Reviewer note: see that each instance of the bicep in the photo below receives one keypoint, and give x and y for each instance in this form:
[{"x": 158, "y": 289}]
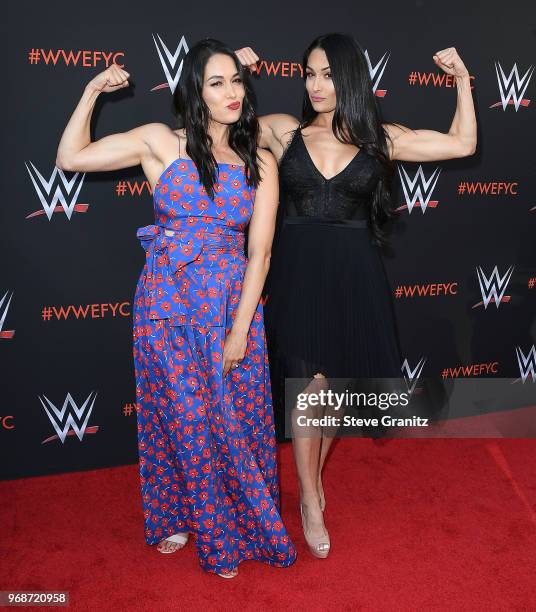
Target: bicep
[
  {"x": 262, "y": 224},
  {"x": 113, "y": 152},
  {"x": 410, "y": 145}
]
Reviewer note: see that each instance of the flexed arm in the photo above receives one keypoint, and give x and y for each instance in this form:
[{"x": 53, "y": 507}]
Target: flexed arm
[
  {"x": 276, "y": 129},
  {"x": 428, "y": 145},
  {"x": 76, "y": 152}
]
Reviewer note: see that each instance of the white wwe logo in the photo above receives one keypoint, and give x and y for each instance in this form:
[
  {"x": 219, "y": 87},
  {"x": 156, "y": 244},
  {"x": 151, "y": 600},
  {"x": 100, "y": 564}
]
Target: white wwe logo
[
  {"x": 412, "y": 376},
  {"x": 49, "y": 201},
  {"x": 493, "y": 288},
  {"x": 527, "y": 363},
  {"x": 3, "y": 314},
  {"x": 512, "y": 87},
  {"x": 377, "y": 71},
  {"x": 419, "y": 189},
  {"x": 63, "y": 423},
  {"x": 169, "y": 61}
]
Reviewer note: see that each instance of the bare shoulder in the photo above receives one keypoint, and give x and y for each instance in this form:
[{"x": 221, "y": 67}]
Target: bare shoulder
[
  {"x": 153, "y": 132},
  {"x": 162, "y": 144},
  {"x": 265, "y": 156},
  {"x": 268, "y": 162}
]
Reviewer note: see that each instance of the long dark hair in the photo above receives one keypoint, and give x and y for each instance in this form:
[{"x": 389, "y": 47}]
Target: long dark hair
[
  {"x": 357, "y": 118},
  {"x": 193, "y": 115}
]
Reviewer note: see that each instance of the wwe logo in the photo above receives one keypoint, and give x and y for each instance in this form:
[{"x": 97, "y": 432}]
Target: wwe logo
[
  {"x": 412, "y": 376},
  {"x": 419, "y": 190},
  {"x": 512, "y": 87},
  {"x": 5, "y": 334},
  {"x": 493, "y": 288},
  {"x": 66, "y": 420},
  {"x": 527, "y": 363},
  {"x": 49, "y": 201},
  {"x": 376, "y": 73},
  {"x": 169, "y": 62}
]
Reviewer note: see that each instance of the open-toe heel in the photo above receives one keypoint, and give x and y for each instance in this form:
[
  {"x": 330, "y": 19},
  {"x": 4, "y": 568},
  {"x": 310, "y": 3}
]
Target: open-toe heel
[
  {"x": 231, "y": 574},
  {"x": 176, "y": 538},
  {"x": 318, "y": 545}
]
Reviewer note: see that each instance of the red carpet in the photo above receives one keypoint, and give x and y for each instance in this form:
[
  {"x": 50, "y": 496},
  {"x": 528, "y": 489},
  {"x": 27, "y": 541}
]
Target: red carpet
[{"x": 414, "y": 525}]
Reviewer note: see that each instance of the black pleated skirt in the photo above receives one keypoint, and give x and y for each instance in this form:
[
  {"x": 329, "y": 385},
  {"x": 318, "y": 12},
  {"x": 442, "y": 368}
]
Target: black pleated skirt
[{"x": 328, "y": 306}]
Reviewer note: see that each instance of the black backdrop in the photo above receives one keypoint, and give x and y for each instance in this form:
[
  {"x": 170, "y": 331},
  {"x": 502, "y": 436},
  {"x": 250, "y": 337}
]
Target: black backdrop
[{"x": 88, "y": 261}]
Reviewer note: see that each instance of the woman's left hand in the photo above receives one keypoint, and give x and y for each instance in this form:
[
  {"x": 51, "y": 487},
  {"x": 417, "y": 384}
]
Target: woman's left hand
[
  {"x": 234, "y": 350},
  {"x": 450, "y": 62}
]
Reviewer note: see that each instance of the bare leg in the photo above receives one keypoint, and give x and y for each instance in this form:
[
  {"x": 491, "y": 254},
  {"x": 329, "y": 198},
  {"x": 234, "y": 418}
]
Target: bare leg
[
  {"x": 328, "y": 434},
  {"x": 326, "y": 443},
  {"x": 307, "y": 457}
]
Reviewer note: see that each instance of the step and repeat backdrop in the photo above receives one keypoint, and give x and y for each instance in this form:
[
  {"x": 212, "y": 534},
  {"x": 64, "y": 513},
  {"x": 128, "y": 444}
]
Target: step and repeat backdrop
[{"x": 461, "y": 265}]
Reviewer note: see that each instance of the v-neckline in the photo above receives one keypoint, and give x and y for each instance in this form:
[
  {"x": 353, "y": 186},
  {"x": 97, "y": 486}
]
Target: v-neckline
[{"x": 327, "y": 180}]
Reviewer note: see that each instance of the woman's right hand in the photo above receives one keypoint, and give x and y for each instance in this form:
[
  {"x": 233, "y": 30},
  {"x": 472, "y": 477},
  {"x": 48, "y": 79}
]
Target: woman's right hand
[
  {"x": 111, "y": 79},
  {"x": 248, "y": 58}
]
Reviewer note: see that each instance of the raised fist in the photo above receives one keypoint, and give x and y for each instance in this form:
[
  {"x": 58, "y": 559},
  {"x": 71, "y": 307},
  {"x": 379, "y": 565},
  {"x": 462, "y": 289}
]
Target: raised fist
[{"x": 111, "y": 79}]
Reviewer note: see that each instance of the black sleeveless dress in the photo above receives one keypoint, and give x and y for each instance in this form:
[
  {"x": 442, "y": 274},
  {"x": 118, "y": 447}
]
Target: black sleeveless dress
[{"x": 328, "y": 307}]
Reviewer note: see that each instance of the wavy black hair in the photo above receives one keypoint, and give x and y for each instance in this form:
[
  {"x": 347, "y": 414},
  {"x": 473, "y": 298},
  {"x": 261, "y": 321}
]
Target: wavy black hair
[
  {"x": 193, "y": 115},
  {"x": 357, "y": 118}
]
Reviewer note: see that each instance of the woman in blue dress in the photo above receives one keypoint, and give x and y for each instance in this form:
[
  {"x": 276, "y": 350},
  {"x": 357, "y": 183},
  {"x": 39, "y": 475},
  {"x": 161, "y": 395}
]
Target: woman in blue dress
[{"x": 206, "y": 433}]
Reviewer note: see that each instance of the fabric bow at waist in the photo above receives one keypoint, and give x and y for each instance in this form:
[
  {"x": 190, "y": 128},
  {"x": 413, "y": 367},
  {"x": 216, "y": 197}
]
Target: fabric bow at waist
[{"x": 183, "y": 280}]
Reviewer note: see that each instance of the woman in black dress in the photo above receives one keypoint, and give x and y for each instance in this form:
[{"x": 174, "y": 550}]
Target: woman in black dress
[{"x": 329, "y": 311}]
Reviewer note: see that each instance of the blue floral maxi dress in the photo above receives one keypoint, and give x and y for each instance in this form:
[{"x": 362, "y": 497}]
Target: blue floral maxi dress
[{"x": 206, "y": 443}]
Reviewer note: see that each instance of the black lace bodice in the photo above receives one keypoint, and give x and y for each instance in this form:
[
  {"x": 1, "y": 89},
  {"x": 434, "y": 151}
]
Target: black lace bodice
[{"x": 304, "y": 192}]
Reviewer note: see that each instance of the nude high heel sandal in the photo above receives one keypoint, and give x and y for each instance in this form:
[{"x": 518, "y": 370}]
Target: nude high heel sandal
[{"x": 319, "y": 545}]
